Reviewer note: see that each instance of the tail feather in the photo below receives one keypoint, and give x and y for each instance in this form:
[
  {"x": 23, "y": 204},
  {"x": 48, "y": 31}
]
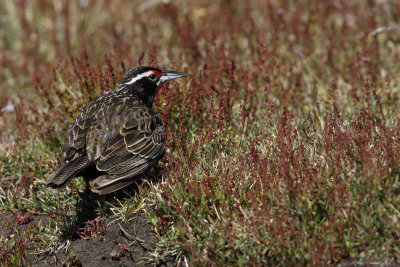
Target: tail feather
[
  {"x": 68, "y": 171},
  {"x": 96, "y": 186}
]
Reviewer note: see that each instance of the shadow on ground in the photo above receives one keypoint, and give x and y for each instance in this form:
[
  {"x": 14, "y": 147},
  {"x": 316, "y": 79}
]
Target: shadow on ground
[{"x": 114, "y": 244}]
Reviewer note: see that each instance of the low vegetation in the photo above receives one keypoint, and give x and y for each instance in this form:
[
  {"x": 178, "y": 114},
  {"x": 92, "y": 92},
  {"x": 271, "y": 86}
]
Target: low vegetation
[{"x": 283, "y": 148}]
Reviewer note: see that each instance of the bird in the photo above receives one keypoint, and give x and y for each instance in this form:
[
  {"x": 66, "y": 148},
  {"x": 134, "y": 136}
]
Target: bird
[{"x": 118, "y": 137}]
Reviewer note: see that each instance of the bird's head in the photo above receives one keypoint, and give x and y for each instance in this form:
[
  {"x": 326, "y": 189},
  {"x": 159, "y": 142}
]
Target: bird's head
[{"x": 144, "y": 81}]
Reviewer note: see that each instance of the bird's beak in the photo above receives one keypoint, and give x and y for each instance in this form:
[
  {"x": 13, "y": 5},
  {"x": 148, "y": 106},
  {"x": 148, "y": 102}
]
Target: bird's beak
[{"x": 170, "y": 75}]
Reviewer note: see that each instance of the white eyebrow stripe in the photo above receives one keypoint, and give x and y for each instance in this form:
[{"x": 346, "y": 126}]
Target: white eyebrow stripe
[{"x": 140, "y": 76}]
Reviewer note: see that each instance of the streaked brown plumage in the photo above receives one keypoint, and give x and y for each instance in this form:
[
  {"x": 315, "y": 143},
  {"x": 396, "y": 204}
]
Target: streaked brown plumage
[{"x": 117, "y": 137}]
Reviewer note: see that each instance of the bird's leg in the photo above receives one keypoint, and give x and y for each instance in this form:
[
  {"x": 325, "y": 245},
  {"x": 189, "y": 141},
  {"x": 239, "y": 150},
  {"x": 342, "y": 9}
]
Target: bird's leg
[
  {"x": 87, "y": 190},
  {"x": 87, "y": 187}
]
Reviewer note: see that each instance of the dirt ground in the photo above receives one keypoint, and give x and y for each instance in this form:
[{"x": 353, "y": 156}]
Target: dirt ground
[{"x": 99, "y": 251}]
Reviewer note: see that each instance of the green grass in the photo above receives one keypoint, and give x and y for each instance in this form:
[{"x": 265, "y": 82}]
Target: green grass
[{"x": 284, "y": 146}]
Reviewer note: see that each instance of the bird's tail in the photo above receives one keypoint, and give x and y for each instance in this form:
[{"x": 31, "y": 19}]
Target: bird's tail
[
  {"x": 109, "y": 188},
  {"x": 68, "y": 171}
]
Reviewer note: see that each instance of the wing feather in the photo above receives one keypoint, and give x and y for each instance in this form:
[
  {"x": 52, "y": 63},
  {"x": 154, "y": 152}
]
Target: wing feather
[{"x": 137, "y": 146}]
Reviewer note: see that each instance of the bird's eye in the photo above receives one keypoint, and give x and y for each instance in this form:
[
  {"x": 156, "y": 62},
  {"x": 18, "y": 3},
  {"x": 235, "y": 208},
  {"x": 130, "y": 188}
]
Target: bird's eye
[{"x": 152, "y": 77}]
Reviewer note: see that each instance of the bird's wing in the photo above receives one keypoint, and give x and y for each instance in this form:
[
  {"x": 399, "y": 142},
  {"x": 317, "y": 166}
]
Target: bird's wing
[
  {"x": 77, "y": 134},
  {"x": 75, "y": 158},
  {"x": 138, "y": 144}
]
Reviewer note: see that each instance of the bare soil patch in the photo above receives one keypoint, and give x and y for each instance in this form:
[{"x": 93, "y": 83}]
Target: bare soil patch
[{"x": 105, "y": 250}]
